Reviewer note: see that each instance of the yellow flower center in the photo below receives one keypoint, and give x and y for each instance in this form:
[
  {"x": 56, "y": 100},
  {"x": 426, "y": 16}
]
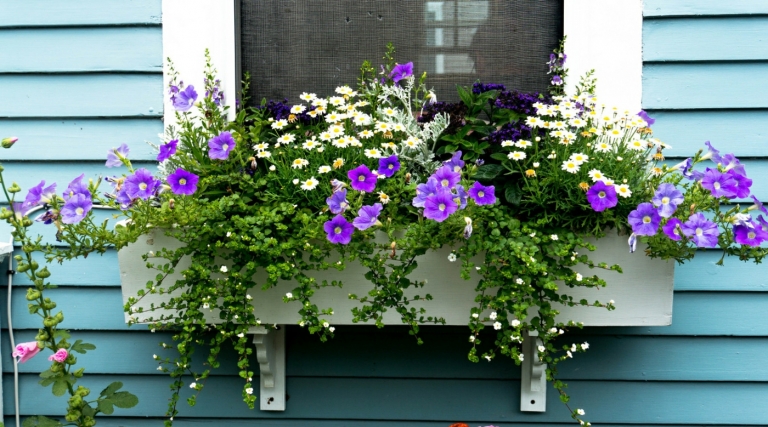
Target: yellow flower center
[
  {"x": 441, "y": 207},
  {"x": 224, "y": 147},
  {"x": 143, "y": 186},
  {"x": 699, "y": 231},
  {"x": 646, "y": 220},
  {"x": 79, "y": 211},
  {"x": 337, "y": 230},
  {"x": 751, "y": 235},
  {"x": 716, "y": 185},
  {"x": 183, "y": 181},
  {"x": 444, "y": 183},
  {"x": 601, "y": 194},
  {"x": 665, "y": 200},
  {"x": 481, "y": 194},
  {"x": 361, "y": 178}
]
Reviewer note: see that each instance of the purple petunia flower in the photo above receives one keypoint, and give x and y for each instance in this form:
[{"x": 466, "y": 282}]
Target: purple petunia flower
[
  {"x": 77, "y": 187},
  {"x": 183, "y": 182},
  {"x": 731, "y": 163},
  {"x": 184, "y": 100},
  {"x": 115, "y": 156},
  {"x": 750, "y": 235},
  {"x": 76, "y": 208},
  {"x": 702, "y": 231},
  {"x": 362, "y": 179},
  {"x": 742, "y": 184},
  {"x": 439, "y": 206},
  {"x": 338, "y": 203},
  {"x": 39, "y": 194},
  {"x": 643, "y": 115},
  {"x": 167, "y": 150},
  {"x": 123, "y": 199},
  {"x": 455, "y": 163},
  {"x": 667, "y": 198},
  {"x": 482, "y": 195},
  {"x": 644, "y": 220},
  {"x": 758, "y": 205},
  {"x": 20, "y": 210},
  {"x": 367, "y": 216},
  {"x": 446, "y": 177},
  {"x": 687, "y": 170},
  {"x": 460, "y": 196},
  {"x": 339, "y": 230},
  {"x": 672, "y": 229},
  {"x": 220, "y": 146},
  {"x": 423, "y": 191},
  {"x": 602, "y": 196},
  {"x": 713, "y": 153},
  {"x": 401, "y": 71},
  {"x": 388, "y": 166},
  {"x": 140, "y": 185},
  {"x": 719, "y": 184}
]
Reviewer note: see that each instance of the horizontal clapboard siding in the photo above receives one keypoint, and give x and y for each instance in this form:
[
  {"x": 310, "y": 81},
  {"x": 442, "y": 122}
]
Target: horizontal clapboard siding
[
  {"x": 680, "y": 8},
  {"x": 47, "y": 13}
]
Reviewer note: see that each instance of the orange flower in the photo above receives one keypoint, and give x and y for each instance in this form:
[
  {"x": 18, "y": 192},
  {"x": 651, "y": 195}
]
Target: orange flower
[
  {"x": 530, "y": 173},
  {"x": 584, "y": 186}
]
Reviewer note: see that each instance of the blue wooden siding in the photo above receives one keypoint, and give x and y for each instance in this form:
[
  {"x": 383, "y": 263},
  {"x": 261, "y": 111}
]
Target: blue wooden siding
[{"x": 707, "y": 368}]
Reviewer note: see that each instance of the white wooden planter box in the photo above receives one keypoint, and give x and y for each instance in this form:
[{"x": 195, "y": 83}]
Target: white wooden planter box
[{"x": 642, "y": 294}]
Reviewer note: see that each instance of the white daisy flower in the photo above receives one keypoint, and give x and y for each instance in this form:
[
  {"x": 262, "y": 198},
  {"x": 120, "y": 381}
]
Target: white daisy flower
[
  {"x": 507, "y": 143},
  {"x": 340, "y": 143},
  {"x": 577, "y": 123},
  {"x": 261, "y": 146},
  {"x": 557, "y": 133},
  {"x": 388, "y": 145},
  {"x": 299, "y": 163},
  {"x": 533, "y": 122},
  {"x": 344, "y": 90},
  {"x": 263, "y": 154},
  {"x": 298, "y": 109},
  {"x": 324, "y": 169},
  {"x": 286, "y": 139},
  {"x": 602, "y": 147},
  {"x": 362, "y": 120},
  {"x": 335, "y": 117},
  {"x": 615, "y": 132},
  {"x": 310, "y": 144},
  {"x": 579, "y": 158},
  {"x": 383, "y": 127},
  {"x": 516, "y": 155},
  {"x": 320, "y": 109},
  {"x": 636, "y": 145},
  {"x": 279, "y": 124},
  {"x": 523, "y": 144},
  {"x": 354, "y": 141},
  {"x": 372, "y": 153},
  {"x": 558, "y": 124},
  {"x": 389, "y": 111},
  {"x": 497, "y": 325},
  {"x": 398, "y": 127},
  {"x": 596, "y": 175},
  {"x": 326, "y": 136},
  {"x": 336, "y": 101},
  {"x": 336, "y": 131},
  {"x": 313, "y": 113},
  {"x": 307, "y": 96},
  {"x": 452, "y": 257},
  {"x": 383, "y": 198},
  {"x": 309, "y": 184},
  {"x": 412, "y": 142},
  {"x": 623, "y": 190},
  {"x": 317, "y": 102},
  {"x": 338, "y": 163},
  {"x": 570, "y": 166}
]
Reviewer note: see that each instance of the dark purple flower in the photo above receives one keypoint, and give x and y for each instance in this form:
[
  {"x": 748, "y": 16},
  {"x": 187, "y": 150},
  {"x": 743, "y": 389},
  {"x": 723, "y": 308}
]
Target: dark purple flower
[
  {"x": 460, "y": 196},
  {"x": 338, "y": 203},
  {"x": 367, "y": 216},
  {"x": 479, "y": 88},
  {"x": 48, "y": 216},
  {"x": 183, "y": 182},
  {"x": 750, "y": 235},
  {"x": 401, "y": 71},
  {"x": 446, "y": 177},
  {"x": 439, "y": 206},
  {"x": 339, "y": 230},
  {"x": 140, "y": 185},
  {"x": 742, "y": 183},
  {"x": 602, "y": 196},
  {"x": 672, "y": 228},
  {"x": 76, "y": 208},
  {"x": 220, "y": 146},
  {"x": 556, "y": 80},
  {"x": 167, "y": 150},
  {"x": 644, "y": 220},
  {"x": 719, "y": 184},
  {"x": 115, "y": 156},
  {"x": 388, "y": 166},
  {"x": 39, "y": 194},
  {"x": 455, "y": 163},
  {"x": 77, "y": 187},
  {"x": 667, "y": 198},
  {"x": 362, "y": 179},
  {"x": 423, "y": 191},
  {"x": 702, "y": 231},
  {"x": 184, "y": 99},
  {"x": 481, "y": 194},
  {"x": 643, "y": 115}
]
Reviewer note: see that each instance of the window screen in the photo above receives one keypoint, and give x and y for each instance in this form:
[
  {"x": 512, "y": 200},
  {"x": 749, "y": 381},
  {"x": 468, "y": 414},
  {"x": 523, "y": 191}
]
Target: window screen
[{"x": 291, "y": 46}]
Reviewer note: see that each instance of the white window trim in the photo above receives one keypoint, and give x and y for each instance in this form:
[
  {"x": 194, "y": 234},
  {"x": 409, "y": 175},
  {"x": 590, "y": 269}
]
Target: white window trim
[{"x": 605, "y": 35}]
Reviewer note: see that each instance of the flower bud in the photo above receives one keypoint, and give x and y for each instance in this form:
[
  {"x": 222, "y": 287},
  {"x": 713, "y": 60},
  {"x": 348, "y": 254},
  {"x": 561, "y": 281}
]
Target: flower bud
[
  {"x": 8, "y": 142},
  {"x": 44, "y": 273},
  {"x": 14, "y": 188},
  {"x": 32, "y": 294},
  {"x": 79, "y": 373}
]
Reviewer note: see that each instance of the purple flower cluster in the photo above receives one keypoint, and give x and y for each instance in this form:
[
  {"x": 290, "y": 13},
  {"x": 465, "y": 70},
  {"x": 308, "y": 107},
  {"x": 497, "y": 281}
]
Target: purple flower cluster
[
  {"x": 556, "y": 61},
  {"x": 282, "y": 110},
  {"x": 479, "y": 88},
  {"x": 77, "y": 201},
  {"x": 510, "y": 132},
  {"x": 456, "y": 112},
  {"x": 215, "y": 93},
  {"x": 520, "y": 102}
]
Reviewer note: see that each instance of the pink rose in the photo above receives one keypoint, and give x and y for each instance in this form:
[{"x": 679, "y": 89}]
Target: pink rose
[
  {"x": 26, "y": 351},
  {"x": 60, "y": 356}
]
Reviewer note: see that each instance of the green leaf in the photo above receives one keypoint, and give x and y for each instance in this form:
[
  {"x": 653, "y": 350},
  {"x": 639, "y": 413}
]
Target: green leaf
[
  {"x": 465, "y": 96},
  {"x": 124, "y": 399},
  {"x": 41, "y": 421},
  {"x": 512, "y": 195},
  {"x": 60, "y": 386},
  {"x": 488, "y": 172},
  {"x": 82, "y": 347},
  {"x": 106, "y": 406},
  {"x": 499, "y": 156},
  {"x": 62, "y": 333},
  {"x": 111, "y": 389},
  {"x": 87, "y": 410}
]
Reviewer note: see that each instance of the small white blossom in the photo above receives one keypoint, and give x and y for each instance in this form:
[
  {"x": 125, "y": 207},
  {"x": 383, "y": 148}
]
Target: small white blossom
[
  {"x": 471, "y": 338},
  {"x": 579, "y": 277},
  {"x": 223, "y": 268},
  {"x": 515, "y": 323},
  {"x": 159, "y": 368},
  {"x": 475, "y": 315},
  {"x": 241, "y": 335},
  {"x": 585, "y": 346},
  {"x": 325, "y": 324},
  {"x": 272, "y": 168},
  {"x": 553, "y": 331},
  {"x": 249, "y": 390},
  {"x": 569, "y": 354},
  {"x": 289, "y": 295},
  {"x": 519, "y": 281},
  {"x": 452, "y": 257},
  {"x": 497, "y": 325},
  {"x": 553, "y": 237},
  {"x": 487, "y": 357},
  {"x": 493, "y": 315},
  {"x": 580, "y": 411},
  {"x": 192, "y": 385},
  {"x": 521, "y": 357},
  {"x": 331, "y": 329},
  {"x": 541, "y": 348}
]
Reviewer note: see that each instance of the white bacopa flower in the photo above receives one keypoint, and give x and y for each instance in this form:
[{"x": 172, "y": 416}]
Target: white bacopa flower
[
  {"x": 241, "y": 335},
  {"x": 519, "y": 281},
  {"x": 296, "y": 182},
  {"x": 325, "y": 324},
  {"x": 579, "y": 277},
  {"x": 331, "y": 329},
  {"x": 487, "y": 357},
  {"x": 475, "y": 315},
  {"x": 580, "y": 411},
  {"x": 452, "y": 257},
  {"x": 206, "y": 305},
  {"x": 471, "y": 338},
  {"x": 249, "y": 390},
  {"x": 289, "y": 295},
  {"x": 159, "y": 368},
  {"x": 301, "y": 323},
  {"x": 223, "y": 269},
  {"x": 585, "y": 346},
  {"x": 515, "y": 323},
  {"x": 541, "y": 348},
  {"x": 192, "y": 385},
  {"x": 310, "y": 184},
  {"x": 611, "y": 302},
  {"x": 520, "y": 357},
  {"x": 553, "y": 237},
  {"x": 552, "y": 156},
  {"x": 573, "y": 347},
  {"x": 553, "y": 331},
  {"x": 569, "y": 354},
  {"x": 493, "y": 315},
  {"x": 497, "y": 325}
]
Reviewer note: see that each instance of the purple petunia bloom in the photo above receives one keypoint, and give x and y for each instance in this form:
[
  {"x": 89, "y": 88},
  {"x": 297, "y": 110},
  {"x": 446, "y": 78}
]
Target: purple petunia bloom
[
  {"x": 719, "y": 184},
  {"x": 220, "y": 146},
  {"x": 460, "y": 196},
  {"x": 482, "y": 195},
  {"x": 702, "y": 231},
  {"x": 123, "y": 199},
  {"x": 758, "y": 205},
  {"x": 140, "y": 185},
  {"x": 184, "y": 100},
  {"x": 183, "y": 182},
  {"x": 339, "y": 230},
  {"x": 338, "y": 203},
  {"x": 731, "y": 163},
  {"x": 750, "y": 235},
  {"x": 115, "y": 156},
  {"x": 644, "y": 220},
  {"x": 667, "y": 198},
  {"x": 39, "y": 194},
  {"x": 76, "y": 208},
  {"x": 439, "y": 206},
  {"x": 713, "y": 153},
  {"x": 446, "y": 177},
  {"x": 362, "y": 179},
  {"x": 456, "y": 163},
  {"x": 77, "y": 187},
  {"x": 602, "y": 196},
  {"x": 643, "y": 115},
  {"x": 367, "y": 216},
  {"x": 388, "y": 166},
  {"x": 687, "y": 170},
  {"x": 742, "y": 184},
  {"x": 425, "y": 190},
  {"x": 20, "y": 210},
  {"x": 401, "y": 71},
  {"x": 167, "y": 150},
  {"x": 672, "y": 229}
]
